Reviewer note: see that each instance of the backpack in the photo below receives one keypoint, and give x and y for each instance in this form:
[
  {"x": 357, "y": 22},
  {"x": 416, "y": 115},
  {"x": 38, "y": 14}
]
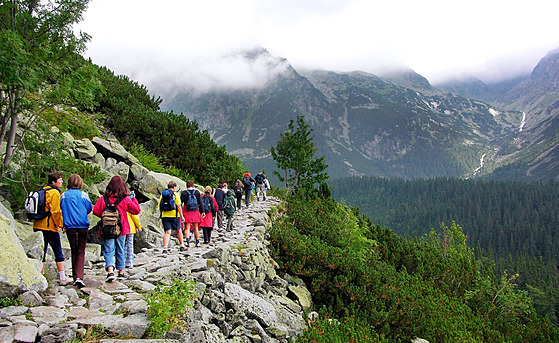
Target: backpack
[
  {"x": 191, "y": 203},
  {"x": 238, "y": 189},
  {"x": 259, "y": 178},
  {"x": 167, "y": 202},
  {"x": 229, "y": 206},
  {"x": 246, "y": 182},
  {"x": 35, "y": 204},
  {"x": 110, "y": 225},
  {"x": 206, "y": 203}
]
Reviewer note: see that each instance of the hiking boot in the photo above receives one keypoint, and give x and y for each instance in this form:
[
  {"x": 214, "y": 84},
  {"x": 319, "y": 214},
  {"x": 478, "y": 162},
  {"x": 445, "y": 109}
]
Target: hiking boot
[
  {"x": 264, "y": 198},
  {"x": 79, "y": 283},
  {"x": 257, "y": 199},
  {"x": 197, "y": 244},
  {"x": 165, "y": 251},
  {"x": 121, "y": 276},
  {"x": 110, "y": 277},
  {"x": 183, "y": 248},
  {"x": 63, "y": 282}
]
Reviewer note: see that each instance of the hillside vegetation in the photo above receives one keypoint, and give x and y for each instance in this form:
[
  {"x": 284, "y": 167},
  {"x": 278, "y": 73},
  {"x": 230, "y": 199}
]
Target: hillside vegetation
[
  {"x": 513, "y": 223},
  {"x": 380, "y": 287}
]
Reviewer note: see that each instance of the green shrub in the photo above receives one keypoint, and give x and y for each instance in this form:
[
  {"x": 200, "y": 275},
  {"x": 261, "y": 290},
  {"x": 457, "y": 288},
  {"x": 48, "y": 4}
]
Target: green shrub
[{"x": 167, "y": 307}]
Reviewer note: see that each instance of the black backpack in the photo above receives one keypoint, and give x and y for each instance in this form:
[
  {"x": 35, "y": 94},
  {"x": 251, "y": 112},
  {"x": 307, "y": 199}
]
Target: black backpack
[
  {"x": 247, "y": 183},
  {"x": 35, "y": 204},
  {"x": 259, "y": 178},
  {"x": 167, "y": 202},
  {"x": 207, "y": 205},
  {"x": 110, "y": 225},
  {"x": 238, "y": 189}
]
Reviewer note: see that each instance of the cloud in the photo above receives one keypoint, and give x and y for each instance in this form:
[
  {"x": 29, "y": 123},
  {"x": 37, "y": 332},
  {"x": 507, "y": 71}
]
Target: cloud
[{"x": 198, "y": 42}]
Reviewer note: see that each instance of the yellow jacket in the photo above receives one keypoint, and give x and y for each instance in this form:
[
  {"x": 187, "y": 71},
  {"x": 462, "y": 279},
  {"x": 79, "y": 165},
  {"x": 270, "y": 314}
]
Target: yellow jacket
[
  {"x": 134, "y": 221},
  {"x": 53, "y": 222}
]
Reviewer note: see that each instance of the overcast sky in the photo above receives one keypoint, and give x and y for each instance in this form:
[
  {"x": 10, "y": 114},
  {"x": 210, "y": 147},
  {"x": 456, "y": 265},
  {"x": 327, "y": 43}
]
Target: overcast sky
[{"x": 182, "y": 42}]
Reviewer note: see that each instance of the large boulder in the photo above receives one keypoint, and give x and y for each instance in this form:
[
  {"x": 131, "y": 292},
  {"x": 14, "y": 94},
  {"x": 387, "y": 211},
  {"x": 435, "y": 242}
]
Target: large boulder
[
  {"x": 112, "y": 148},
  {"x": 85, "y": 150},
  {"x": 18, "y": 273},
  {"x": 152, "y": 184}
]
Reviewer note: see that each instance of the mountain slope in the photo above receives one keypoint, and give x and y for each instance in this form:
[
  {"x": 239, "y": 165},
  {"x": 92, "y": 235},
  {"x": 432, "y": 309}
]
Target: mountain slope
[{"x": 394, "y": 126}]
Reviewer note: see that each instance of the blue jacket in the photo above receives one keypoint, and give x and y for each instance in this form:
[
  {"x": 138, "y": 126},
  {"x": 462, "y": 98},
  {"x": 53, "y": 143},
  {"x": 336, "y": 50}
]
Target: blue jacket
[
  {"x": 75, "y": 205},
  {"x": 219, "y": 196}
]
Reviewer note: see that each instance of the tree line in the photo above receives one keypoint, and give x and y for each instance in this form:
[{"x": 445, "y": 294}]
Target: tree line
[{"x": 512, "y": 225}]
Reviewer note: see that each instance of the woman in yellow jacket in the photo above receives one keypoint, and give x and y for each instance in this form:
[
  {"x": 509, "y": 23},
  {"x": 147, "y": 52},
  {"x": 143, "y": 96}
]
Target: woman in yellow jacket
[
  {"x": 51, "y": 225},
  {"x": 135, "y": 226}
]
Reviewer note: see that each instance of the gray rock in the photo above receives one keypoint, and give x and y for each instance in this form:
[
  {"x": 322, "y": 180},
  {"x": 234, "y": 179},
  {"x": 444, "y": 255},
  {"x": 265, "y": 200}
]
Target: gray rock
[
  {"x": 84, "y": 149},
  {"x": 25, "y": 333},
  {"x": 132, "y": 326},
  {"x": 121, "y": 169},
  {"x": 133, "y": 307},
  {"x": 112, "y": 148},
  {"x": 99, "y": 160},
  {"x": 11, "y": 311},
  {"x": 250, "y": 304},
  {"x": 59, "y": 333},
  {"x": 100, "y": 301},
  {"x": 16, "y": 278},
  {"x": 301, "y": 295}
]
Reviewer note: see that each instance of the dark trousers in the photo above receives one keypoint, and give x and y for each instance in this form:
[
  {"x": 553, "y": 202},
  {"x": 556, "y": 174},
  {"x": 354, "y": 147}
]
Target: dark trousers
[
  {"x": 207, "y": 234},
  {"x": 239, "y": 197},
  {"x": 53, "y": 239},
  {"x": 220, "y": 223},
  {"x": 78, "y": 241}
]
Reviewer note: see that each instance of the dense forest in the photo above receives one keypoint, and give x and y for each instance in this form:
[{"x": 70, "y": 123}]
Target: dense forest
[
  {"x": 371, "y": 285},
  {"x": 511, "y": 224}
]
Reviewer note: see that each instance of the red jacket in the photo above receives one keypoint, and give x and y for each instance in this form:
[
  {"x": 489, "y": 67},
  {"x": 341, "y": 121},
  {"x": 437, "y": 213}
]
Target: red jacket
[{"x": 126, "y": 205}]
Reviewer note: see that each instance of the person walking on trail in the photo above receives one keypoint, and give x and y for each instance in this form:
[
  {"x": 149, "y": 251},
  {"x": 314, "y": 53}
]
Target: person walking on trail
[
  {"x": 260, "y": 180},
  {"x": 229, "y": 209},
  {"x": 52, "y": 223},
  {"x": 210, "y": 208},
  {"x": 135, "y": 226},
  {"x": 238, "y": 190},
  {"x": 266, "y": 187},
  {"x": 193, "y": 212},
  {"x": 219, "y": 195},
  {"x": 248, "y": 182},
  {"x": 76, "y": 205},
  {"x": 117, "y": 195},
  {"x": 171, "y": 215}
]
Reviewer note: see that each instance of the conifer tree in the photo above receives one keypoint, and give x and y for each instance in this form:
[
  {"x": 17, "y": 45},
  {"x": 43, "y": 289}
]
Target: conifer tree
[{"x": 295, "y": 157}]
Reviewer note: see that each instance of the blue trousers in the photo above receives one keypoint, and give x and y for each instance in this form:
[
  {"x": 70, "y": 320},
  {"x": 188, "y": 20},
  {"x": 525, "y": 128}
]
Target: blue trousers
[{"x": 113, "y": 250}]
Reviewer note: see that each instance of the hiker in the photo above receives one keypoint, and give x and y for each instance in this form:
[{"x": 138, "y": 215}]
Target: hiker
[
  {"x": 266, "y": 187},
  {"x": 238, "y": 190},
  {"x": 135, "y": 226},
  {"x": 260, "y": 179},
  {"x": 193, "y": 212},
  {"x": 171, "y": 215},
  {"x": 248, "y": 182},
  {"x": 76, "y": 205},
  {"x": 51, "y": 225},
  {"x": 219, "y": 195},
  {"x": 229, "y": 209},
  {"x": 116, "y": 194},
  {"x": 210, "y": 208}
]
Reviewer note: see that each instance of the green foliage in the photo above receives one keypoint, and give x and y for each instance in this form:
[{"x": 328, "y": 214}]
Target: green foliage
[
  {"x": 134, "y": 117},
  {"x": 44, "y": 151},
  {"x": 361, "y": 273},
  {"x": 79, "y": 124},
  {"x": 330, "y": 330},
  {"x": 294, "y": 154},
  {"x": 8, "y": 301},
  {"x": 153, "y": 163},
  {"x": 167, "y": 307}
]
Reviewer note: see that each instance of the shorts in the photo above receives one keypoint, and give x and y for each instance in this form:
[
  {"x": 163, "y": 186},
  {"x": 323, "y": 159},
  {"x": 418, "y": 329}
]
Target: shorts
[{"x": 171, "y": 223}]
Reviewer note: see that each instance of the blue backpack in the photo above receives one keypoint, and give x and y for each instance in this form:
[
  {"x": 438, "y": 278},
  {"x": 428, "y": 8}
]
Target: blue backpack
[
  {"x": 206, "y": 203},
  {"x": 191, "y": 202},
  {"x": 167, "y": 202}
]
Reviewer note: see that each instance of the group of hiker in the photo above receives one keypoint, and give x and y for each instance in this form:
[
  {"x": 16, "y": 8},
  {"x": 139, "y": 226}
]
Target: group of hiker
[{"x": 185, "y": 213}]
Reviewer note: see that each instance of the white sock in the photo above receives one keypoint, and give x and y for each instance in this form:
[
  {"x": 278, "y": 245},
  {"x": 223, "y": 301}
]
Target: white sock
[{"x": 61, "y": 275}]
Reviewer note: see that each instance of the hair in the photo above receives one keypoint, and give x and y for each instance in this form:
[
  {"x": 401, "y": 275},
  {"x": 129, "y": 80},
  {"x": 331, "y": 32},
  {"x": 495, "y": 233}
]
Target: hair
[
  {"x": 117, "y": 188},
  {"x": 220, "y": 185},
  {"x": 54, "y": 176},
  {"x": 225, "y": 185},
  {"x": 238, "y": 183},
  {"x": 171, "y": 184},
  {"x": 189, "y": 183},
  {"x": 75, "y": 182},
  {"x": 208, "y": 189}
]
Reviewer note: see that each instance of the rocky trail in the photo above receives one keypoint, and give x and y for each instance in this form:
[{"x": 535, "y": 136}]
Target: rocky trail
[{"x": 239, "y": 296}]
